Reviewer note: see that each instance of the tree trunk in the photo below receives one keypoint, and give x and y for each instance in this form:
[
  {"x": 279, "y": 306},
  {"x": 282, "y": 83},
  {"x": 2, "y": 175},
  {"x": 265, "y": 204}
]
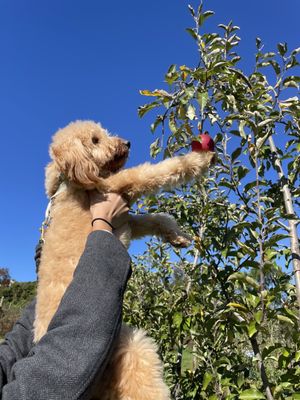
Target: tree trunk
[{"x": 288, "y": 203}]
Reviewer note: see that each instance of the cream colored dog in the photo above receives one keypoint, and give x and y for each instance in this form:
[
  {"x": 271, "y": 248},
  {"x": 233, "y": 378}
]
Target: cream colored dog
[{"x": 85, "y": 157}]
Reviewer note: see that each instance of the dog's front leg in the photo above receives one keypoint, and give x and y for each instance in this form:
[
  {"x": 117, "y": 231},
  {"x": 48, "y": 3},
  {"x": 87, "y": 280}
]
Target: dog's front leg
[
  {"x": 149, "y": 178},
  {"x": 161, "y": 225}
]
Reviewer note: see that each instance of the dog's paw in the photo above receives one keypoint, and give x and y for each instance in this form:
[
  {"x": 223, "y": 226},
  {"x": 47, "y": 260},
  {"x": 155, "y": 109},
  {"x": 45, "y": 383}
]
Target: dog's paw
[{"x": 178, "y": 239}]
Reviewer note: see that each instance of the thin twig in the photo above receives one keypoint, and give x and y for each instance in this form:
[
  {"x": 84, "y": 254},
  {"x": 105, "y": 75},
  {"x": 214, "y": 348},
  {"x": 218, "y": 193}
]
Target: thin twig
[{"x": 260, "y": 238}]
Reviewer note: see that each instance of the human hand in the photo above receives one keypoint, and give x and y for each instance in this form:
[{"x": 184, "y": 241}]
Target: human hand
[{"x": 109, "y": 206}]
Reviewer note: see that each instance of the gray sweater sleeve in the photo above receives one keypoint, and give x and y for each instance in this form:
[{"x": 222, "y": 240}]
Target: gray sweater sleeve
[
  {"x": 17, "y": 344},
  {"x": 66, "y": 361}
]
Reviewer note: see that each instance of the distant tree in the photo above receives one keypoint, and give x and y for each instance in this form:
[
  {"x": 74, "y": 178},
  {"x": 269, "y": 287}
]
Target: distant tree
[{"x": 4, "y": 277}]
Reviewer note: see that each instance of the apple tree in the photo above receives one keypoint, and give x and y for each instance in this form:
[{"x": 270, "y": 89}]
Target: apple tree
[{"x": 225, "y": 311}]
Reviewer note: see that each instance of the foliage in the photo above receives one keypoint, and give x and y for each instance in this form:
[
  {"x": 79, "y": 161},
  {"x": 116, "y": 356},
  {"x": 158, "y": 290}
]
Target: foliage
[
  {"x": 14, "y": 299},
  {"x": 224, "y": 311},
  {"x": 19, "y": 293}
]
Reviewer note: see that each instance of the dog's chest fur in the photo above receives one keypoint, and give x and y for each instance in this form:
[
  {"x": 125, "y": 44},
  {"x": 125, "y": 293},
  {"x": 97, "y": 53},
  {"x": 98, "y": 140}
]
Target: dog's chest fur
[{"x": 65, "y": 240}]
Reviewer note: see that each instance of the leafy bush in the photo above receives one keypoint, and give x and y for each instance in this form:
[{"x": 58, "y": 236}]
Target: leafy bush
[{"x": 15, "y": 298}]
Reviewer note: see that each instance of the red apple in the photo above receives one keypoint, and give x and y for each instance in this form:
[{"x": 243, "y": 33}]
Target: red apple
[{"x": 206, "y": 143}]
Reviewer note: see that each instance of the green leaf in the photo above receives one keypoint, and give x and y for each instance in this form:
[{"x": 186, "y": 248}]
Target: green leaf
[
  {"x": 261, "y": 140},
  {"x": 268, "y": 350},
  {"x": 203, "y": 17},
  {"x": 292, "y": 101},
  {"x": 249, "y": 186},
  {"x": 291, "y": 84},
  {"x": 250, "y": 394},
  {"x": 192, "y": 33},
  {"x": 172, "y": 69},
  {"x": 246, "y": 249},
  {"x": 156, "y": 93},
  {"x": 291, "y": 81},
  {"x": 265, "y": 122},
  {"x": 292, "y": 78},
  {"x": 234, "y": 60},
  {"x": 158, "y": 120},
  {"x": 192, "y": 11},
  {"x": 189, "y": 91},
  {"x": 252, "y": 329},
  {"x": 241, "y": 129},
  {"x": 238, "y": 306},
  {"x": 191, "y": 112},
  {"x": 282, "y": 48},
  {"x": 172, "y": 123},
  {"x": 274, "y": 240},
  {"x": 235, "y": 154},
  {"x": 207, "y": 378},
  {"x": 172, "y": 74},
  {"x": 269, "y": 54},
  {"x": 275, "y": 66},
  {"x": 252, "y": 282},
  {"x": 258, "y": 316},
  {"x": 226, "y": 184},
  {"x": 258, "y": 42},
  {"x": 177, "y": 319},
  {"x": 155, "y": 148},
  {"x": 296, "y": 51},
  {"x": 241, "y": 75},
  {"x": 242, "y": 172},
  {"x": 240, "y": 276},
  {"x": 202, "y": 99},
  {"x": 283, "y": 318},
  {"x": 142, "y": 110}
]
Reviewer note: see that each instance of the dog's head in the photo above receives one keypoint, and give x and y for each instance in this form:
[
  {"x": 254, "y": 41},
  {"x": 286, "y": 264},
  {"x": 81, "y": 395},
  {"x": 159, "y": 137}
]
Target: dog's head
[{"x": 84, "y": 153}]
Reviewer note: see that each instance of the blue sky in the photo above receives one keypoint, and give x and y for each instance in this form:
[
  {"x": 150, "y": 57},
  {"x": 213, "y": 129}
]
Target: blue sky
[{"x": 71, "y": 59}]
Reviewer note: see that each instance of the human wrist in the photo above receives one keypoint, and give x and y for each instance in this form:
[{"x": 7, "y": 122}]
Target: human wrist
[
  {"x": 104, "y": 215},
  {"x": 99, "y": 224}
]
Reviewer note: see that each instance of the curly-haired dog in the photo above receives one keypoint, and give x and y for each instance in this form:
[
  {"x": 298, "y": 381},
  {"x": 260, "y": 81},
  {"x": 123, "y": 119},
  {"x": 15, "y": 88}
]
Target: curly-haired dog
[{"x": 85, "y": 157}]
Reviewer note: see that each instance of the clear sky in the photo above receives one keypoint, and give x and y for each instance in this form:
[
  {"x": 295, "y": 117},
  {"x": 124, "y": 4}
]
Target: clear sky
[{"x": 71, "y": 59}]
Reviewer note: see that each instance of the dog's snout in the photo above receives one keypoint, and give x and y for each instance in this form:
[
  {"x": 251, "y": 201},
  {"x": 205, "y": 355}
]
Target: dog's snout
[{"x": 127, "y": 144}]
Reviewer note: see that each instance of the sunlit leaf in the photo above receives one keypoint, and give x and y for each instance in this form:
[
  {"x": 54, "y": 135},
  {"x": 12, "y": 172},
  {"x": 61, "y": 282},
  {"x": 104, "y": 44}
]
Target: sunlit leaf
[
  {"x": 282, "y": 48},
  {"x": 284, "y": 318},
  {"x": 238, "y": 306},
  {"x": 202, "y": 98},
  {"x": 252, "y": 329},
  {"x": 191, "y": 112},
  {"x": 142, "y": 110},
  {"x": 203, "y": 17},
  {"x": 251, "y": 394},
  {"x": 207, "y": 378}
]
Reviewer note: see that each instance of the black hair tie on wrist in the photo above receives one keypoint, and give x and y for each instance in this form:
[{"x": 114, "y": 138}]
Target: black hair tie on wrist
[{"x": 102, "y": 219}]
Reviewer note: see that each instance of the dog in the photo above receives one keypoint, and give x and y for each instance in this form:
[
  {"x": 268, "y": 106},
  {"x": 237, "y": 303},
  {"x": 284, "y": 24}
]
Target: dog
[{"x": 85, "y": 157}]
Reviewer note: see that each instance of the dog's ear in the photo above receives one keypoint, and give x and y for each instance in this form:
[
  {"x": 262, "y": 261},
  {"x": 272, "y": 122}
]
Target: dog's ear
[
  {"x": 52, "y": 181},
  {"x": 73, "y": 161}
]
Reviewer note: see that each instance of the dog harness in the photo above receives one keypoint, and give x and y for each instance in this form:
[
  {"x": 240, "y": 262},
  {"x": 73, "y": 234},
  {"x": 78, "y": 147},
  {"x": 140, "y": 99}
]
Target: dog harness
[{"x": 62, "y": 187}]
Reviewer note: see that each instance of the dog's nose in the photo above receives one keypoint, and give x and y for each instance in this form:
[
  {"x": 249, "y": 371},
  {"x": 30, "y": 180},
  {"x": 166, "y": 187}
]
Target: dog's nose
[{"x": 127, "y": 144}]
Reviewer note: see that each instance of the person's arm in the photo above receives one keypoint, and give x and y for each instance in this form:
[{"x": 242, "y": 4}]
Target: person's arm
[
  {"x": 66, "y": 360},
  {"x": 17, "y": 343},
  {"x": 77, "y": 345}
]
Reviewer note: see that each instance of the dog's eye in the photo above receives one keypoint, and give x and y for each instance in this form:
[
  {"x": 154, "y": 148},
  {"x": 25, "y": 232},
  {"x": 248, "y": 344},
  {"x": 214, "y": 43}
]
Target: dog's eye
[{"x": 95, "y": 140}]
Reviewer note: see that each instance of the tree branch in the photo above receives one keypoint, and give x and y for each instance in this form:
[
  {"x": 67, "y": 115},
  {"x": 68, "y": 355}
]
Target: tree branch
[{"x": 261, "y": 366}]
